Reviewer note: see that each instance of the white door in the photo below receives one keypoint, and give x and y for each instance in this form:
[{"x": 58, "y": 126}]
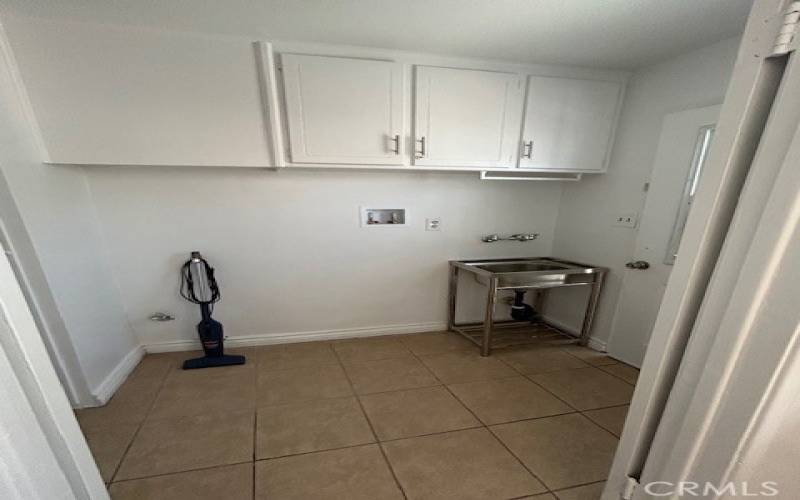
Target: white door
[
  {"x": 344, "y": 111},
  {"x": 568, "y": 123},
  {"x": 682, "y": 149},
  {"x": 466, "y": 118}
]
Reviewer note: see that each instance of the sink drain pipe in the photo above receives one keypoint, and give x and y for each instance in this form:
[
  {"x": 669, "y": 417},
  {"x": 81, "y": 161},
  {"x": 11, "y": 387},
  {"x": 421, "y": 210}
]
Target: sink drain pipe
[{"x": 521, "y": 311}]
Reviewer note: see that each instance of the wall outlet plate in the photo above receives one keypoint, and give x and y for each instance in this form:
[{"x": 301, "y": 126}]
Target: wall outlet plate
[
  {"x": 433, "y": 224},
  {"x": 626, "y": 219}
]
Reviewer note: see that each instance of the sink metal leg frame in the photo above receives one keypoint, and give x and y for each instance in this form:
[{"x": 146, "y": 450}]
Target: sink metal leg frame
[
  {"x": 453, "y": 290},
  {"x": 488, "y": 321},
  {"x": 591, "y": 308}
]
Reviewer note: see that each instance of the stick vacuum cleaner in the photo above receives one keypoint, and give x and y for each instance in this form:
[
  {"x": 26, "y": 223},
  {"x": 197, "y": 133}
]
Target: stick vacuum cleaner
[{"x": 199, "y": 286}]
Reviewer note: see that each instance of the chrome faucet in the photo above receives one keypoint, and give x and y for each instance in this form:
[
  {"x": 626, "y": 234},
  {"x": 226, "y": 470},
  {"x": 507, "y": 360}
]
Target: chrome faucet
[{"x": 491, "y": 238}]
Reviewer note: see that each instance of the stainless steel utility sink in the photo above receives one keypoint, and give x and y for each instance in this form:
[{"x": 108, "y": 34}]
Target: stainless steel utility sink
[{"x": 519, "y": 274}]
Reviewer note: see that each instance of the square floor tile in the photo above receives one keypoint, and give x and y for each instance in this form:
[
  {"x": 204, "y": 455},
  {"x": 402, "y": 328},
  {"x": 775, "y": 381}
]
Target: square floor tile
[
  {"x": 152, "y": 366},
  {"x": 463, "y": 465},
  {"x": 627, "y": 373},
  {"x": 358, "y": 473},
  {"x": 233, "y": 482},
  {"x": 194, "y": 392},
  {"x": 310, "y": 426},
  {"x": 610, "y": 419},
  {"x": 594, "y": 358},
  {"x": 369, "y": 349},
  {"x": 540, "y": 360},
  {"x": 416, "y": 412},
  {"x": 180, "y": 444},
  {"x": 128, "y": 406},
  {"x": 466, "y": 366},
  {"x": 586, "y": 388},
  {"x": 508, "y": 399},
  {"x": 301, "y": 384},
  {"x": 108, "y": 444},
  {"x": 562, "y": 451},
  {"x": 437, "y": 342},
  {"x": 587, "y": 492},
  {"x": 287, "y": 356},
  {"x": 391, "y": 374},
  {"x": 543, "y": 496}
]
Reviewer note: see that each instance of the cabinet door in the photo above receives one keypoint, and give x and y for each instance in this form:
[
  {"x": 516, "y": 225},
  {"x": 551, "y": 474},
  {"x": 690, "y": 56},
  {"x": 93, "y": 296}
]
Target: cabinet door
[
  {"x": 568, "y": 123},
  {"x": 466, "y": 118},
  {"x": 343, "y": 111}
]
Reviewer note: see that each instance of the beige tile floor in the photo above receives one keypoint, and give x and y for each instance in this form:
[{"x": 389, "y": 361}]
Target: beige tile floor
[{"x": 419, "y": 416}]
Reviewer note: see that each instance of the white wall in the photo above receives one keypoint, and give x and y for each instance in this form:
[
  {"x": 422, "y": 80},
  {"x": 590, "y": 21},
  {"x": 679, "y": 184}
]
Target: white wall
[
  {"x": 289, "y": 252},
  {"x": 268, "y": 231},
  {"x": 584, "y": 231},
  {"x": 56, "y": 209}
]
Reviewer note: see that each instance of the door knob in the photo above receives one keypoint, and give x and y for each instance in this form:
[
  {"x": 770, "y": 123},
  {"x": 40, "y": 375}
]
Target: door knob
[{"x": 638, "y": 264}]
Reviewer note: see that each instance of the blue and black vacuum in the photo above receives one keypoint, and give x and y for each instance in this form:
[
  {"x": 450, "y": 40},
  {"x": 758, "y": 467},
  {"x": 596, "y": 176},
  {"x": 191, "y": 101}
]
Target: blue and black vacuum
[{"x": 199, "y": 286}]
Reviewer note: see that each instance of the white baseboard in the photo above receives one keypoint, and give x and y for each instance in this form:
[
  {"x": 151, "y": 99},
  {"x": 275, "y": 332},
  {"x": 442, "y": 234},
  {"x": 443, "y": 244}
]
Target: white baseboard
[
  {"x": 286, "y": 338},
  {"x": 596, "y": 344},
  {"x": 109, "y": 386}
]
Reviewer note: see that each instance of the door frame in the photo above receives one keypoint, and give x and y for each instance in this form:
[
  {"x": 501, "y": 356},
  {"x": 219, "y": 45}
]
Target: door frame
[
  {"x": 66, "y": 453},
  {"x": 681, "y": 390}
]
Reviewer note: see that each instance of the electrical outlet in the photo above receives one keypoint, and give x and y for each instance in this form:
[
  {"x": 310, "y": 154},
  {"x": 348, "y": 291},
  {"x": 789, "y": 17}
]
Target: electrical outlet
[
  {"x": 625, "y": 219},
  {"x": 433, "y": 224}
]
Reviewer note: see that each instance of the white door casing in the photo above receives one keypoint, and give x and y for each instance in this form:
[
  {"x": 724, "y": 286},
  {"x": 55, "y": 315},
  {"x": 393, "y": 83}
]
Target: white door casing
[
  {"x": 344, "y": 111},
  {"x": 43, "y": 454},
  {"x": 569, "y": 123},
  {"x": 643, "y": 289},
  {"x": 466, "y": 118}
]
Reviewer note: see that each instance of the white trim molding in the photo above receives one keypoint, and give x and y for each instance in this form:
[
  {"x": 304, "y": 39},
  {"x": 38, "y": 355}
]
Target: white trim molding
[
  {"x": 118, "y": 375},
  {"x": 292, "y": 337}
]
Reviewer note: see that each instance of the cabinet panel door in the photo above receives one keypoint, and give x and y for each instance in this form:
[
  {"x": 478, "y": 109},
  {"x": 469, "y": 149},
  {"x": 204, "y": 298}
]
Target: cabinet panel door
[
  {"x": 466, "y": 118},
  {"x": 342, "y": 110},
  {"x": 568, "y": 123}
]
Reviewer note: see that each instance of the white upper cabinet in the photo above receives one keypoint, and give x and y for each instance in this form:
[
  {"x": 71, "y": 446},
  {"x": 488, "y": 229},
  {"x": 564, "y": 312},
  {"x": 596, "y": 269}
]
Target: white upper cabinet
[
  {"x": 108, "y": 95},
  {"x": 344, "y": 111},
  {"x": 568, "y": 123},
  {"x": 466, "y": 118}
]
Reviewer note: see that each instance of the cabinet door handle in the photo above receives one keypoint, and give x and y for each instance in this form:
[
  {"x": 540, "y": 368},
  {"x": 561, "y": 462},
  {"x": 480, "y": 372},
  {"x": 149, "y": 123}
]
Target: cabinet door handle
[
  {"x": 527, "y": 149},
  {"x": 422, "y": 152},
  {"x": 396, "y": 141}
]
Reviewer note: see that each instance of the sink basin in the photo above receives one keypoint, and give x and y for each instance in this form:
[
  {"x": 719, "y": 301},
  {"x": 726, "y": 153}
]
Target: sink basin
[
  {"x": 520, "y": 267},
  {"x": 534, "y": 272}
]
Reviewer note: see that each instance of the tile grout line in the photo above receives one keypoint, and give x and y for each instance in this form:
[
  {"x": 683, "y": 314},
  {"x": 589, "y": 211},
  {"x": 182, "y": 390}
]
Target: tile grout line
[
  {"x": 369, "y": 423},
  {"x": 484, "y": 426},
  {"x": 257, "y": 362},
  {"x": 581, "y": 412},
  {"x": 601, "y": 368},
  {"x": 175, "y": 473},
  {"x": 555, "y": 492},
  {"x": 141, "y": 424}
]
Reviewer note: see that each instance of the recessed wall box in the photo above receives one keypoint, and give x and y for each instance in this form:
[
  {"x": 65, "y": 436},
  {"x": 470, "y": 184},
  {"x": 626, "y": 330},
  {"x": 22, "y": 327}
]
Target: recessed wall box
[{"x": 371, "y": 216}]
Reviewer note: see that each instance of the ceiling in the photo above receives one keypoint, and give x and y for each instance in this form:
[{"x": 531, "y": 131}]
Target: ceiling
[{"x": 619, "y": 34}]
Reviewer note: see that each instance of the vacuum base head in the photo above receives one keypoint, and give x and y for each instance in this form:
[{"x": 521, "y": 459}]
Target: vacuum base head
[{"x": 212, "y": 361}]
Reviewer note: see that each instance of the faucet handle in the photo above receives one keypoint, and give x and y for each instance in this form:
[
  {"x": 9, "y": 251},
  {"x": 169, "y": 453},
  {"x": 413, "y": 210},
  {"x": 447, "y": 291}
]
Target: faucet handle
[{"x": 490, "y": 238}]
